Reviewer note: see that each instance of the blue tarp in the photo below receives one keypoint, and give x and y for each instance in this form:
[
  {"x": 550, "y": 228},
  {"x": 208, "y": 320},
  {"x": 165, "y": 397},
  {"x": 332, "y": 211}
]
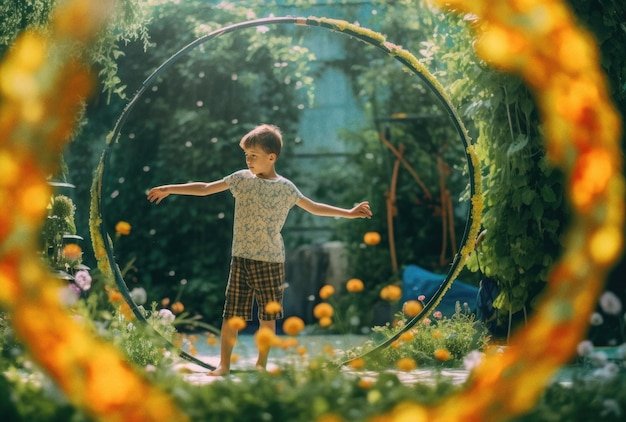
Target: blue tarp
[{"x": 417, "y": 281}]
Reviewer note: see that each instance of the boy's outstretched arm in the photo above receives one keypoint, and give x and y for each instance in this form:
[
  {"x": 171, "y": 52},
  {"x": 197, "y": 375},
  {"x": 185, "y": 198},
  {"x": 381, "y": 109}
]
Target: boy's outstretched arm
[
  {"x": 361, "y": 210},
  {"x": 158, "y": 193}
]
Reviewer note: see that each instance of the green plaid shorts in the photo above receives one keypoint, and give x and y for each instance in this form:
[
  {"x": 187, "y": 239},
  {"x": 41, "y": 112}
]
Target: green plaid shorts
[{"x": 249, "y": 280}]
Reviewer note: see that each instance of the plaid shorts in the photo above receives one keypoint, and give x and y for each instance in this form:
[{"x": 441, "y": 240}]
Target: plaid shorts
[{"x": 250, "y": 279}]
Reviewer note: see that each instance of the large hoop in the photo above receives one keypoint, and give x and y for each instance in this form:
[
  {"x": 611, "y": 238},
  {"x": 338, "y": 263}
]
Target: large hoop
[{"x": 362, "y": 34}]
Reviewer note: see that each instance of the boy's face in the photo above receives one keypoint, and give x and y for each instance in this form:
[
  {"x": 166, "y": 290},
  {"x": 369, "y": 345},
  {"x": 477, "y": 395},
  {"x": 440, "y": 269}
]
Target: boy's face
[{"x": 260, "y": 162}]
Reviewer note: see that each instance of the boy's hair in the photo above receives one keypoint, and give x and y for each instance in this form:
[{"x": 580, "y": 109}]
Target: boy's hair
[{"x": 268, "y": 137}]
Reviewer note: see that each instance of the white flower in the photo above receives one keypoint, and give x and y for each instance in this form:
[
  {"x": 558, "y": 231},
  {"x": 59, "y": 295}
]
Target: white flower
[
  {"x": 139, "y": 295},
  {"x": 472, "y": 359},
  {"x": 585, "y": 348},
  {"x": 611, "y": 408},
  {"x": 596, "y": 319},
  {"x": 610, "y": 303},
  {"x": 167, "y": 316},
  {"x": 599, "y": 358},
  {"x": 608, "y": 372},
  {"x": 82, "y": 279}
]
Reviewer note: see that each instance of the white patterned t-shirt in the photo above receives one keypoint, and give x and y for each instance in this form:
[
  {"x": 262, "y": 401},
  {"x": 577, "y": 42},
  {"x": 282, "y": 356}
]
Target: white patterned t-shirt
[{"x": 261, "y": 208}]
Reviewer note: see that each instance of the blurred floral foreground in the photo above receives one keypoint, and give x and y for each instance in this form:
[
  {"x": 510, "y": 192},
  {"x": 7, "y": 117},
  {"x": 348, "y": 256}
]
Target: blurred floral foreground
[{"x": 73, "y": 350}]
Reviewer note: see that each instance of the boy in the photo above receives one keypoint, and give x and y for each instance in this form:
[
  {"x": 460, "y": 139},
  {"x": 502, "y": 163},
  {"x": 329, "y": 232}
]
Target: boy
[{"x": 263, "y": 199}]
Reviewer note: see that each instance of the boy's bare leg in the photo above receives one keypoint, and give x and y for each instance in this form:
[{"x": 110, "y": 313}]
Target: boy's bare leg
[
  {"x": 228, "y": 338},
  {"x": 261, "y": 362}
]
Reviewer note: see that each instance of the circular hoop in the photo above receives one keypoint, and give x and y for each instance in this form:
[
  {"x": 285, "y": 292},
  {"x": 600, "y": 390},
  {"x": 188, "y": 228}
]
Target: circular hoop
[{"x": 367, "y": 36}]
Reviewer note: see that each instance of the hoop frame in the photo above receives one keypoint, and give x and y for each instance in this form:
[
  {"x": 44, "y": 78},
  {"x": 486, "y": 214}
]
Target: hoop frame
[{"x": 362, "y": 34}]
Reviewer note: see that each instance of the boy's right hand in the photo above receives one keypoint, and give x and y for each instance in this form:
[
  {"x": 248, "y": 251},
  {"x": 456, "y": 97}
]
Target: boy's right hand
[{"x": 157, "y": 194}]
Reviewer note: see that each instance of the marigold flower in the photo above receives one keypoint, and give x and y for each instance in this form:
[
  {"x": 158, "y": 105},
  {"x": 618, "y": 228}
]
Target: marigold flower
[
  {"x": 407, "y": 336},
  {"x": 437, "y": 334},
  {"x": 273, "y": 307},
  {"x": 412, "y": 308},
  {"x": 323, "y": 310},
  {"x": 128, "y": 313},
  {"x": 357, "y": 363},
  {"x": 354, "y": 285},
  {"x": 236, "y": 323},
  {"x": 442, "y": 355},
  {"x": 406, "y": 364},
  {"x": 301, "y": 350},
  {"x": 391, "y": 293},
  {"x": 293, "y": 325},
  {"x": 325, "y": 322},
  {"x": 122, "y": 228},
  {"x": 114, "y": 296},
  {"x": 289, "y": 342},
  {"x": 366, "y": 384},
  {"x": 326, "y": 291},
  {"x": 72, "y": 251},
  {"x": 165, "y": 301},
  {"x": 211, "y": 340},
  {"x": 265, "y": 339},
  {"x": 177, "y": 307},
  {"x": 371, "y": 238}
]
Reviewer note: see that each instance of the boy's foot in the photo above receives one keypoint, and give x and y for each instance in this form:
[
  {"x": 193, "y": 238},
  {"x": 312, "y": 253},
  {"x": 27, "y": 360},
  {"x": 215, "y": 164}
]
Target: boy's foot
[{"x": 219, "y": 372}]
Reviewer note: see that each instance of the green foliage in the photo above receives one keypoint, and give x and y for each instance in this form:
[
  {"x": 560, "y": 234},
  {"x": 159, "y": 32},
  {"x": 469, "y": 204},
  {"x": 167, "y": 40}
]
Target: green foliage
[
  {"x": 144, "y": 344},
  {"x": 459, "y": 335}
]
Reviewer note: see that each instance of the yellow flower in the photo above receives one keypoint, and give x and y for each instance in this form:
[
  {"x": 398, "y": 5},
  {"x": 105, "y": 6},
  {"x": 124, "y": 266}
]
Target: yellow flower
[
  {"x": 72, "y": 252},
  {"x": 357, "y": 363},
  {"x": 293, "y": 325},
  {"x": 391, "y": 293},
  {"x": 412, "y": 308},
  {"x": 236, "y": 323},
  {"x": 265, "y": 338},
  {"x": 178, "y": 307},
  {"x": 354, "y": 285},
  {"x": 442, "y": 355},
  {"x": 325, "y": 322},
  {"x": 122, "y": 228},
  {"x": 406, "y": 364},
  {"x": 323, "y": 310},
  {"x": 371, "y": 238},
  {"x": 273, "y": 307},
  {"x": 211, "y": 340},
  {"x": 326, "y": 291},
  {"x": 437, "y": 334}
]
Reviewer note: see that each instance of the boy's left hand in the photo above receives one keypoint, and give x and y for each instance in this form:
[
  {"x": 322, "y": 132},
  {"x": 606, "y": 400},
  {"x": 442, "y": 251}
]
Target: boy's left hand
[{"x": 362, "y": 210}]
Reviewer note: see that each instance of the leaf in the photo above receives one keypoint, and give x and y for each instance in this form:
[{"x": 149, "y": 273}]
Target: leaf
[
  {"x": 548, "y": 194},
  {"x": 518, "y": 145}
]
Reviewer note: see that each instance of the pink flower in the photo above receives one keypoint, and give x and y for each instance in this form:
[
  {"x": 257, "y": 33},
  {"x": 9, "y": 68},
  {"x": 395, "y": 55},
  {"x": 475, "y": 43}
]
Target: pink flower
[
  {"x": 83, "y": 280},
  {"x": 438, "y": 314},
  {"x": 421, "y": 298},
  {"x": 426, "y": 321}
]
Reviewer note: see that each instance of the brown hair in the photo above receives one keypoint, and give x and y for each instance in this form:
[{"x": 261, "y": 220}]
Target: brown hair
[{"x": 268, "y": 137}]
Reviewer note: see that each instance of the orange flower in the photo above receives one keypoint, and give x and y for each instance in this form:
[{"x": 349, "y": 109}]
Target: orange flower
[
  {"x": 178, "y": 307},
  {"x": 407, "y": 336},
  {"x": 265, "y": 338},
  {"x": 365, "y": 384},
  {"x": 236, "y": 323},
  {"x": 442, "y": 355},
  {"x": 127, "y": 312},
  {"x": 122, "y": 228},
  {"x": 354, "y": 285},
  {"x": 406, "y": 364},
  {"x": 437, "y": 334},
  {"x": 326, "y": 291},
  {"x": 357, "y": 363},
  {"x": 325, "y": 322},
  {"x": 114, "y": 296},
  {"x": 273, "y": 307},
  {"x": 391, "y": 293},
  {"x": 412, "y": 308},
  {"x": 293, "y": 325},
  {"x": 211, "y": 340},
  {"x": 165, "y": 301},
  {"x": 323, "y": 310},
  {"x": 289, "y": 342},
  {"x": 72, "y": 252},
  {"x": 371, "y": 238}
]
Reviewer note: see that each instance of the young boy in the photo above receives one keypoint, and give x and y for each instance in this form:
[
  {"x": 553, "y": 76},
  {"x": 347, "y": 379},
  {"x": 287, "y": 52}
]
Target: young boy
[{"x": 263, "y": 199}]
